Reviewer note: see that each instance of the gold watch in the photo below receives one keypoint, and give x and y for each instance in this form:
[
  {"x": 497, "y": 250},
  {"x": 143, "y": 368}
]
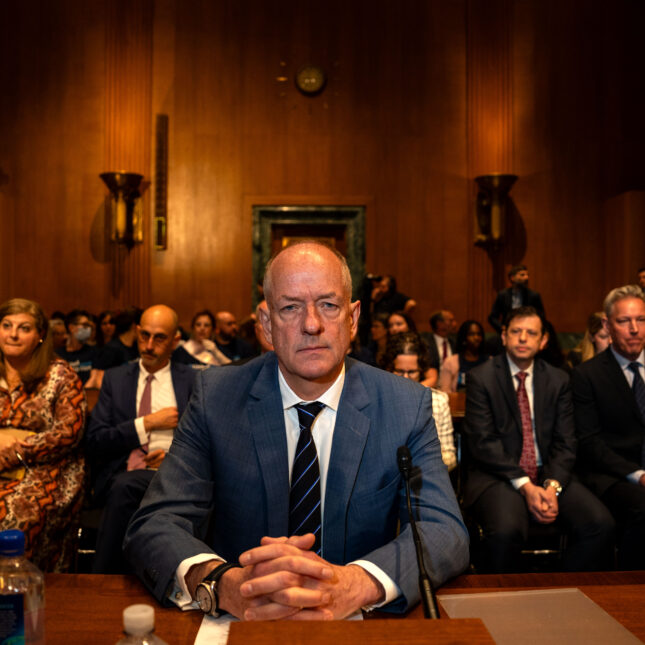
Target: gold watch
[{"x": 553, "y": 483}]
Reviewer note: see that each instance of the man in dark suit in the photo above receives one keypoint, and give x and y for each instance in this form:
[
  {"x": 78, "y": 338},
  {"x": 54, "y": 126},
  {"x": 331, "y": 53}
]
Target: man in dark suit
[
  {"x": 440, "y": 342},
  {"x": 230, "y": 464},
  {"x": 131, "y": 429},
  {"x": 609, "y": 401},
  {"x": 517, "y": 295},
  {"x": 521, "y": 439}
]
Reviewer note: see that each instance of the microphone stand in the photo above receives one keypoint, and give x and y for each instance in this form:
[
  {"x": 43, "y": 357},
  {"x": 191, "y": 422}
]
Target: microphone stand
[{"x": 428, "y": 599}]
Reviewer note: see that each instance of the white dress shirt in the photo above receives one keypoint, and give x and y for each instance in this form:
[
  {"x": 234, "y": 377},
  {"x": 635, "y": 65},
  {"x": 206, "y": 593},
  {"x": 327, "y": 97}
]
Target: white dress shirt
[
  {"x": 162, "y": 395},
  {"x": 624, "y": 364},
  {"x": 439, "y": 341},
  {"x": 322, "y": 432},
  {"x": 528, "y": 384}
]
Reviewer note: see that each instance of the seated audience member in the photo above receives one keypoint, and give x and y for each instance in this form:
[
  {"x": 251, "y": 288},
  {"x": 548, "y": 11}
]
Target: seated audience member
[
  {"x": 105, "y": 328},
  {"x": 58, "y": 332},
  {"x": 470, "y": 353},
  {"x": 386, "y": 299},
  {"x": 406, "y": 355},
  {"x": 132, "y": 427},
  {"x": 199, "y": 348},
  {"x": 399, "y": 322},
  {"x": 222, "y": 496},
  {"x": 595, "y": 340},
  {"x": 246, "y": 332},
  {"x": 123, "y": 346},
  {"x": 378, "y": 338},
  {"x": 76, "y": 352},
  {"x": 552, "y": 351},
  {"x": 226, "y": 339},
  {"x": 440, "y": 345},
  {"x": 520, "y": 434},
  {"x": 42, "y": 412},
  {"x": 609, "y": 402},
  {"x": 517, "y": 295}
]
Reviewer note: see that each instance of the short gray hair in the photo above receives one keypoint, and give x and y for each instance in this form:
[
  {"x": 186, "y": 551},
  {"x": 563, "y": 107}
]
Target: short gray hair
[
  {"x": 620, "y": 293},
  {"x": 346, "y": 275}
]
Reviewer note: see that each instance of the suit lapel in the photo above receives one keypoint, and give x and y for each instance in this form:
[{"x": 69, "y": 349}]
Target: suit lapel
[
  {"x": 350, "y": 435},
  {"x": 266, "y": 417},
  {"x": 505, "y": 381},
  {"x": 181, "y": 384},
  {"x": 539, "y": 399},
  {"x": 616, "y": 376},
  {"x": 129, "y": 385}
]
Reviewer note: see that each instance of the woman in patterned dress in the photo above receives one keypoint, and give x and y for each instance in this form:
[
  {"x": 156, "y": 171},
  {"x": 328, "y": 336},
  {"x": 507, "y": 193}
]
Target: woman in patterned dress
[{"x": 42, "y": 416}]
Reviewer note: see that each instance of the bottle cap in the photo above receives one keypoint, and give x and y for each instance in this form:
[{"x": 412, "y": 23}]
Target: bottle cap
[
  {"x": 138, "y": 619},
  {"x": 12, "y": 542}
]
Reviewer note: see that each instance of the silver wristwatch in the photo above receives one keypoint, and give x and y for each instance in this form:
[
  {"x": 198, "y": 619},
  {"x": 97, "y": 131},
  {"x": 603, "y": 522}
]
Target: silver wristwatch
[{"x": 206, "y": 593}]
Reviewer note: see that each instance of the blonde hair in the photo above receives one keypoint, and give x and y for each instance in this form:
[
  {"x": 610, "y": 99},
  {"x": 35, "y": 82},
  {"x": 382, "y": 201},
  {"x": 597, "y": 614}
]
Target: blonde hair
[
  {"x": 44, "y": 352},
  {"x": 585, "y": 346}
]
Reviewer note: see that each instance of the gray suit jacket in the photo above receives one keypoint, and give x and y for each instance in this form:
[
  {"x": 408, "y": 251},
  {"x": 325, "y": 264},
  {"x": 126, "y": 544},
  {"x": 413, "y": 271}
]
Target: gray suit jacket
[{"x": 228, "y": 465}]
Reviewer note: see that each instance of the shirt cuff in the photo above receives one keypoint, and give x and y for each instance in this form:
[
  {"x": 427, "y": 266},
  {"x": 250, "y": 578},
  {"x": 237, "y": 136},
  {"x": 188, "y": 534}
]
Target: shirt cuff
[
  {"x": 180, "y": 594},
  {"x": 392, "y": 590},
  {"x": 519, "y": 482},
  {"x": 635, "y": 477},
  {"x": 141, "y": 431}
]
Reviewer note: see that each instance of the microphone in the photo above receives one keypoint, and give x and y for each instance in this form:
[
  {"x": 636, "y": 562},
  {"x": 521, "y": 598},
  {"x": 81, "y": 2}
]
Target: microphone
[{"x": 430, "y": 609}]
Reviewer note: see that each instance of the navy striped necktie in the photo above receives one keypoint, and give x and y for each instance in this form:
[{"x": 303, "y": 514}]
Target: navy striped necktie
[
  {"x": 638, "y": 387},
  {"x": 304, "y": 499}
]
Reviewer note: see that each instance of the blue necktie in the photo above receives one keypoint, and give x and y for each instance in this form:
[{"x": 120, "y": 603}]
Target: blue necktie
[
  {"x": 304, "y": 499},
  {"x": 638, "y": 387}
]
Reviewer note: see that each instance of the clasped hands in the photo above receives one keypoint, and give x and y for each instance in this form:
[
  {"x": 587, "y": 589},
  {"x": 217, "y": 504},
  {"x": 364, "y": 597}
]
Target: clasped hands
[
  {"x": 282, "y": 579},
  {"x": 541, "y": 502}
]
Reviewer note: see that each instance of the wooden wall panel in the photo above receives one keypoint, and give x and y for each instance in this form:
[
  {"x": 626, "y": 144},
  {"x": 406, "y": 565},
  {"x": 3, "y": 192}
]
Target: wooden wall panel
[{"x": 422, "y": 96}]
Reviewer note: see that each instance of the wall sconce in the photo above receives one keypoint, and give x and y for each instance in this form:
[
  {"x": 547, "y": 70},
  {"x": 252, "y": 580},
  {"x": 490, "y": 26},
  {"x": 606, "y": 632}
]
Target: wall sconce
[
  {"x": 127, "y": 215},
  {"x": 491, "y": 207}
]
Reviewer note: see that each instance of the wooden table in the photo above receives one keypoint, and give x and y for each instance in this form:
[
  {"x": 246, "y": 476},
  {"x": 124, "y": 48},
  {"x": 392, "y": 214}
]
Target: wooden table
[{"x": 88, "y": 608}]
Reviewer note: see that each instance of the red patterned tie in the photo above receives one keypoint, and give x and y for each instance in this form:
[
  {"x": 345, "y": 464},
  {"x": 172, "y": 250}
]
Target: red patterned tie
[
  {"x": 528, "y": 461},
  {"x": 136, "y": 460},
  {"x": 445, "y": 350}
]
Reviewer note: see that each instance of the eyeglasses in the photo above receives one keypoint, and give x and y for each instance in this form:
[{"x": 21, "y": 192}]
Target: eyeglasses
[{"x": 407, "y": 373}]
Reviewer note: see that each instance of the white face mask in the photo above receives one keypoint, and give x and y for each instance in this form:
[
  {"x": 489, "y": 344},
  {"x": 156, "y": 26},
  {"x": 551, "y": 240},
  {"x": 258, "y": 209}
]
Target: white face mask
[{"x": 82, "y": 334}]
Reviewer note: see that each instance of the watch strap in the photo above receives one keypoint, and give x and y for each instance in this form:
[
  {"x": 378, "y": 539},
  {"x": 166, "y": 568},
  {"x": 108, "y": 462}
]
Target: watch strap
[
  {"x": 212, "y": 580},
  {"x": 220, "y": 570}
]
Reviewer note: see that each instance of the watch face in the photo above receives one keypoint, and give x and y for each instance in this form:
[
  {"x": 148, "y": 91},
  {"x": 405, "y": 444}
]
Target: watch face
[{"x": 204, "y": 599}]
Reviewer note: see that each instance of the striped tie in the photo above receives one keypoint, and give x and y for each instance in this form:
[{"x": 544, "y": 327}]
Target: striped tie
[
  {"x": 638, "y": 387},
  {"x": 304, "y": 499}
]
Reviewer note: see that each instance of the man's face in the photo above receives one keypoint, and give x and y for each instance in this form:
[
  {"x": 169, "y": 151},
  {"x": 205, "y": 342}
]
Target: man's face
[
  {"x": 641, "y": 279},
  {"x": 226, "y": 326},
  {"x": 520, "y": 279},
  {"x": 442, "y": 328},
  {"x": 626, "y": 326},
  {"x": 523, "y": 339},
  {"x": 450, "y": 321},
  {"x": 157, "y": 337},
  {"x": 310, "y": 321}
]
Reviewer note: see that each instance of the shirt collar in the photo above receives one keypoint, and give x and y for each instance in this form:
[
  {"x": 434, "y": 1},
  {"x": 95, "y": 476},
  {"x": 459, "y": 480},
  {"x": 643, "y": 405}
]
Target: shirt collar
[
  {"x": 625, "y": 362},
  {"x": 516, "y": 370},
  {"x": 330, "y": 398},
  {"x": 164, "y": 371}
]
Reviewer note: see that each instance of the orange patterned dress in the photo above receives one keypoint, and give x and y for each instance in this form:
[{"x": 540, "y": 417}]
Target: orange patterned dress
[{"x": 45, "y": 504}]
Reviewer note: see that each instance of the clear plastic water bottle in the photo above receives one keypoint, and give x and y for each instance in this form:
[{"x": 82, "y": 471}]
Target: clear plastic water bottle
[
  {"x": 22, "y": 593},
  {"x": 139, "y": 626}
]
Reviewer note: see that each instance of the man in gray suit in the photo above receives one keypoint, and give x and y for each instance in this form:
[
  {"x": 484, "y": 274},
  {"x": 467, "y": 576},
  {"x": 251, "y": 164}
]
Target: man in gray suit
[{"x": 216, "y": 523}]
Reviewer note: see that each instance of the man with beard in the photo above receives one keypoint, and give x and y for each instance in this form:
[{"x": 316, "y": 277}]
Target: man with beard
[
  {"x": 132, "y": 428},
  {"x": 226, "y": 337}
]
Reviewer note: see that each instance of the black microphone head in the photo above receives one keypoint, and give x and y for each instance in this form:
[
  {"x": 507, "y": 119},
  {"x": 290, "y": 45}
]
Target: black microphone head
[{"x": 404, "y": 459}]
